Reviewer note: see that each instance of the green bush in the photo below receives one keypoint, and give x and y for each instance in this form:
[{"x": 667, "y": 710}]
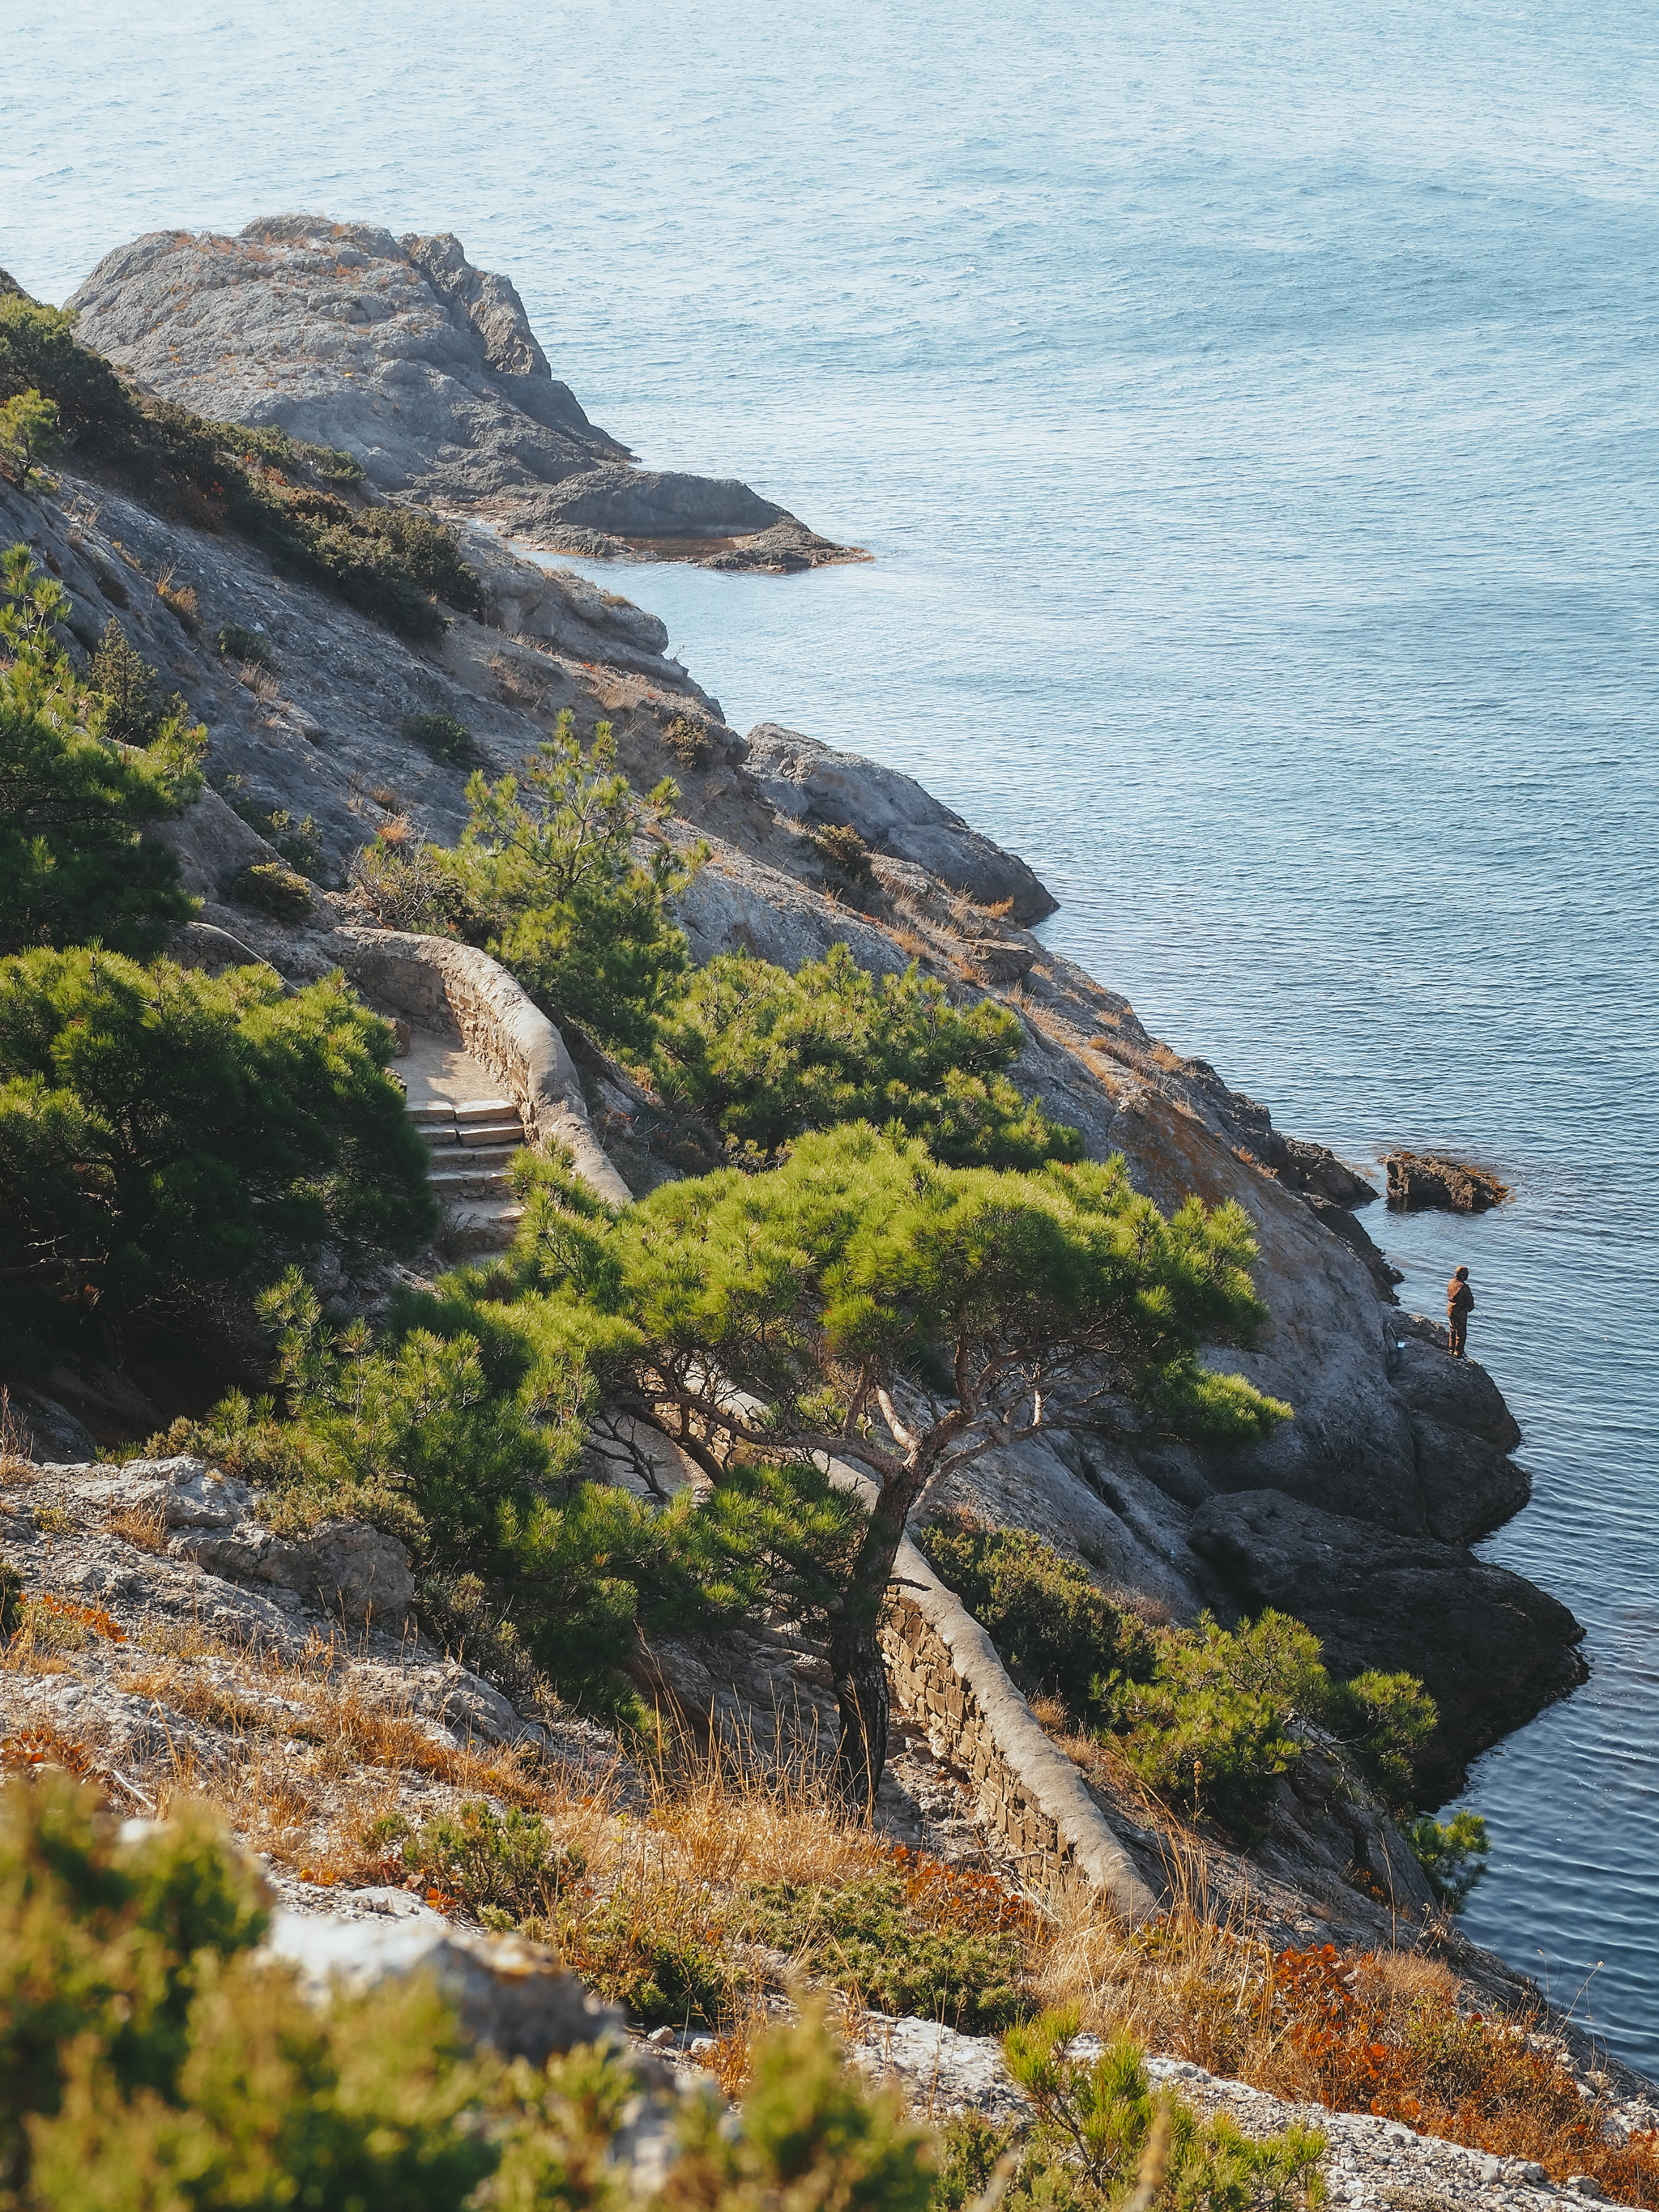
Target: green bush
[
  {"x": 865, "y": 1937},
  {"x": 548, "y": 864},
  {"x": 809, "y": 2136},
  {"x": 11, "y": 1600},
  {"x": 444, "y": 737},
  {"x": 502, "y": 1868},
  {"x": 766, "y": 1056},
  {"x": 300, "y": 843},
  {"x": 655, "y": 1956},
  {"x": 137, "y": 712},
  {"x": 73, "y": 804},
  {"x": 392, "y": 562},
  {"x": 1056, "y": 1634},
  {"x": 148, "y": 2059},
  {"x": 28, "y": 434},
  {"x": 1453, "y": 1853},
  {"x": 688, "y": 740},
  {"x": 1094, "y": 2135},
  {"x": 411, "y": 889},
  {"x": 272, "y": 887},
  {"x": 165, "y": 1134},
  {"x": 840, "y": 845},
  {"x": 1204, "y": 1716},
  {"x": 235, "y": 642}
]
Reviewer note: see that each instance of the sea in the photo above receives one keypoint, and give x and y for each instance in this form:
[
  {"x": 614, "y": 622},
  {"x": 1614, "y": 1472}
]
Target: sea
[{"x": 1252, "y": 410}]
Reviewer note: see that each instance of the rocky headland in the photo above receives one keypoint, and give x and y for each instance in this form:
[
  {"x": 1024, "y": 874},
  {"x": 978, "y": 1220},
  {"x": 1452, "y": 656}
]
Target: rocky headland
[
  {"x": 1358, "y": 1515},
  {"x": 425, "y": 369}
]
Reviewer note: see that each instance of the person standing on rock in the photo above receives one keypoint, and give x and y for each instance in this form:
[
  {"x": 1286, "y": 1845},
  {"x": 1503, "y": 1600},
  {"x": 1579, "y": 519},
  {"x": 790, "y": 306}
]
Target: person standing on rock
[{"x": 1460, "y": 1301}]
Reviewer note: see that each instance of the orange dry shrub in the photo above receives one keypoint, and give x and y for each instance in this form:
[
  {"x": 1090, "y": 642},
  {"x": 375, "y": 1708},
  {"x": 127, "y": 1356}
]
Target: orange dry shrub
[
  {"x": 85, "y": 1616},
  {"x": 1357, "y": 2042},
  {"x": 940, "y": 1895}
]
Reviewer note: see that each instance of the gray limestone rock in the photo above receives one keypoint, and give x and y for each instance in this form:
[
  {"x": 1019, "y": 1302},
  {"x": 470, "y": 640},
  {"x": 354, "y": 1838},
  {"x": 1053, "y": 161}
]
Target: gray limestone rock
[
  {"x": 509, "y": 1994},
  {"x": 423, "y": 368},
  {"x": 1490, "y": 1649},
  {"x": 893, "y": 814}
]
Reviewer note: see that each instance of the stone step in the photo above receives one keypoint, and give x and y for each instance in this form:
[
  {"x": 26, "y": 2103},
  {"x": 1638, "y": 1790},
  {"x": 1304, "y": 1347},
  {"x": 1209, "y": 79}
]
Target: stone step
[
  {"x": 471, "y": 1182},
  {"x": 483, "y": 1134},
  {"x": 485, "y": 1109},
  {"x": 485, "y": 1225}
]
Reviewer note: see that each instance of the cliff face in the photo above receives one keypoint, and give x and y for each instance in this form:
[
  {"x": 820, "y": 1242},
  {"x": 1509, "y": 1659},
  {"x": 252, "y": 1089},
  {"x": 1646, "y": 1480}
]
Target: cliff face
[
  {"x": 1357, "y": 1515},
  {"x": 426, "y": 369}
]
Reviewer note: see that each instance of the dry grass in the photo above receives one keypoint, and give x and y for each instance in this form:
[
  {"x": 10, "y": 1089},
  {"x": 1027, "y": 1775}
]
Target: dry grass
[
  {"x": 16, "y": 1464},
  {"x": 179, "y": 599},
  {"x": 145, "y": 1527},
  {"x": 1389, "y": 2033}
]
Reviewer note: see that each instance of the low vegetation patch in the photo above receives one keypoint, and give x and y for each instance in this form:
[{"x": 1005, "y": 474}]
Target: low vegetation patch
[
  {"x": 165, "y": 1134},
  {"x": 912, "y": 1936},
  {"x": 1206, "y": 1717},
  {"x": 287, "y": 497},
  {"x": 83, "y": 772},
  {"x": 234, "y": 641},
  {"x": 444, "y": 736}
]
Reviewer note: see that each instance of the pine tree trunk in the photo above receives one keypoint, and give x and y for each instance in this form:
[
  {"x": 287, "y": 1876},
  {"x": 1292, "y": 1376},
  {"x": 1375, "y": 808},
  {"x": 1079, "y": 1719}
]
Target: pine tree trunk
[{"x": 858, "y": 1671}]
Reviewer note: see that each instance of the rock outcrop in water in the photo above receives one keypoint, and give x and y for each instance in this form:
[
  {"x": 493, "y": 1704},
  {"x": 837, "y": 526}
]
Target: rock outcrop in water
[
  {"x": 427, "y": 370},
  {"x": 1420, "y": 1181}
]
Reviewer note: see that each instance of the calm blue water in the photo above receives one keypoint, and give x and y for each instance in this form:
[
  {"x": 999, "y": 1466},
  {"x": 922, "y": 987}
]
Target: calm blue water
[{"x": 1252, "y": 408}]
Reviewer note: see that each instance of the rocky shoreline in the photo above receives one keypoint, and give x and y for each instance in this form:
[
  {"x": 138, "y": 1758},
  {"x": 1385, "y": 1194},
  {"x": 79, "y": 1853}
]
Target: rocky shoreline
[{"x": 1359, "y": 1516}]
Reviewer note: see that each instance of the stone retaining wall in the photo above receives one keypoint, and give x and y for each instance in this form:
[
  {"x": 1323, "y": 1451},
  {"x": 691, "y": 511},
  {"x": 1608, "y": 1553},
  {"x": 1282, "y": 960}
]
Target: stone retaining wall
[
  {"x": 429, "y": 979},
  {"x": 945, "y": 1672}
]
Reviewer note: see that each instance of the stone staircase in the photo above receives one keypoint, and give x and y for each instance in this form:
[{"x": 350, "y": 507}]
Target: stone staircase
[{"x": 472, "y": 1142}]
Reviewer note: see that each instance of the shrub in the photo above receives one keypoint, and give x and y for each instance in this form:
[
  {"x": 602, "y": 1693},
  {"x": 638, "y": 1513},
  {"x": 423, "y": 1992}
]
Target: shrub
[
  {"x": 413, "y": 890},
  {"x": 1098, "y": 2128},
  {"x": 273, "y": 888},
  {"x": 840, "y": 845},
  {"x": 809, "y": 2135},
  {"x": 392, "y": 561},
  {"x": 766, "y": 1056},
  {"x": 148, "y": 2059},
  {"x": 28, "y": 434},
  {"x": 11, "y": 1600},
  {"x": 548, "y": 863},
  {"x": 300, "y": 843},
  {"x": 72, "y": 863},
  {"x": 919, "y": 1939},
  {"x": 1204, "y": 1716},
  {"x": 164, "y": 1134},
  {"x": 1055, "y": 1633},
  {"x": 651, "y": 1948},
  {"x": 1349, "y": 2035},
  {"x": 687, "y": 740},
  {"x": 1452, "y": 1854},
  {"x": 136, "y": 710},
  {"x": 145, "y": 2059},
  {"x": 444, "y": 737},
  {"x": 235, "y": 642},
  {"x": 502, "y": 1868}
]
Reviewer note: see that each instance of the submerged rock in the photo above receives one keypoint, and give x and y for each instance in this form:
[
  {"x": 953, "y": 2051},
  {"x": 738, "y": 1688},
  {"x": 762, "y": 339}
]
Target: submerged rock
[{"x": 1419, "y": 1181}]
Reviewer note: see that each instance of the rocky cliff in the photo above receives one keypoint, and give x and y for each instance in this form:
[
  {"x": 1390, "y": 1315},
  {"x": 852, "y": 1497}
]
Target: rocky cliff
[
  {"x": 423, "y": 367},
  {"x": 1359, "y": 1514}
]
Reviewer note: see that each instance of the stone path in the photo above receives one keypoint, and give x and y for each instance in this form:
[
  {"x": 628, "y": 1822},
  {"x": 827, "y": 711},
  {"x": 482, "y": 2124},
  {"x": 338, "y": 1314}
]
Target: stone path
[{"x": 473, "y": 1130}]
